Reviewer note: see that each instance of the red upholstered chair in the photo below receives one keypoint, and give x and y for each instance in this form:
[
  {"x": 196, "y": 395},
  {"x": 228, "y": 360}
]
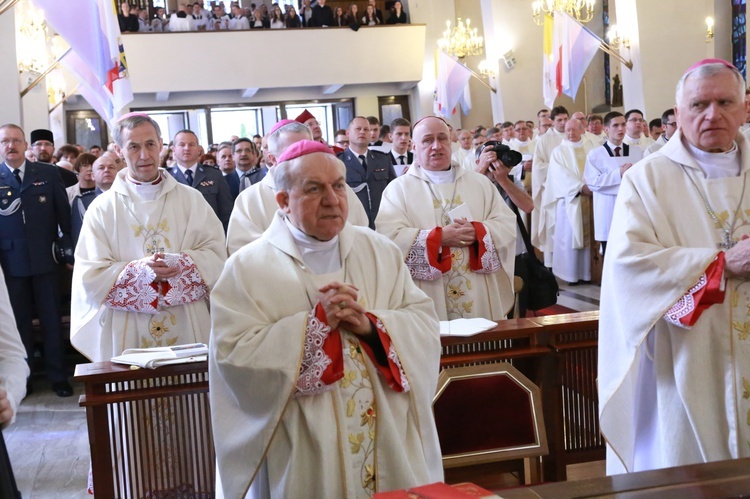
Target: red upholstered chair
[{"x": 490, "y": 413}]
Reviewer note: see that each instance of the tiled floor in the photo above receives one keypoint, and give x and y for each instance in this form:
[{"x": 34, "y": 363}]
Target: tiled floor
[{"x": 48, "y": 445}]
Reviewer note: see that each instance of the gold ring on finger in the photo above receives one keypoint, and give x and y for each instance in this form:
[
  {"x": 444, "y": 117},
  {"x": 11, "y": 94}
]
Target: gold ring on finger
[{"x": 342, "y": 305}]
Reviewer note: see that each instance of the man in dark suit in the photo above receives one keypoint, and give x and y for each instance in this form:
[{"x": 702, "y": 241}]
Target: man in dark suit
[
  {"x": 367, "y": 172},
  {"x": 322, "y": 15},
  {"x": 33, "y": 207},
  {"x": 400, "y": 155},
  {"x": 43, "y": 147},
  {"x": 225, "y": 161},
  {"x": 248, "y": 170},
  {"x": 209, "y": 181}
]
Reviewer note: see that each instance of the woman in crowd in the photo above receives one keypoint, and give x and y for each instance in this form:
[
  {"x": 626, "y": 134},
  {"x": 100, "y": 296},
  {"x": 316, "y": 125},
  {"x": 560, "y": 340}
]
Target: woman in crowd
[
  {"x": 277, "y": 19},
  {"x": 369, "y": 19},
  {"x": 207, "y": 160},
  {"x": 339, "y": 18},
  {"x": 351, "y": 16},
  {"x": 292, "y": 19},
  {"x": 398, "y": 16}
]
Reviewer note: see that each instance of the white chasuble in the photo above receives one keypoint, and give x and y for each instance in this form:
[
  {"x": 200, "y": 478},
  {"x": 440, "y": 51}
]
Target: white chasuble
[
  {"x": 116, "y": 302},
  {"x": 571, "y": 259},
  {"x": 281, "y": 432},
  {"x": 412, "y": 207},
  {"x": 672, "y": 396}
]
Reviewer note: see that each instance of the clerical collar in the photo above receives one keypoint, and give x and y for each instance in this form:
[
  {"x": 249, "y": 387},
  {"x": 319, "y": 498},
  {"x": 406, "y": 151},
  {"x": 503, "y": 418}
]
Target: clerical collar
[
  {"x": 716, "y": 164},
  {"x": 441, "y": 177},
  {"x": 147, "y": 190},
  {"x": 321, "y": 257},
  {"x": 574, "y": 145},
  {"x": 522, "y": 143}
]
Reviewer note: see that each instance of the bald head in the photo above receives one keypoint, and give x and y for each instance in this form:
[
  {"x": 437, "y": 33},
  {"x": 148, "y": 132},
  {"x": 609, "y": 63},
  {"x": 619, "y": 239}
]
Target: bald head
[
  {"x": 574, "y": 129},
  {"x": 432, "y": 144}
]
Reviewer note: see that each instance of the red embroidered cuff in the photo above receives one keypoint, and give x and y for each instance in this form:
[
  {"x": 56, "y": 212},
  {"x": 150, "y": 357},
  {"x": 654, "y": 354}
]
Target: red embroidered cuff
[
  {"x": 134, "y": 290},
  {"x": 441, "y": 260},
  {"x": 393, "y": 373},
  {"x": 706, "y": 292},
  {"x": 323, "y": 360},
  {"x": 418, "y": 261},
  {"x": 188, "y": 286},
  {"x": 483, "y": 258}
]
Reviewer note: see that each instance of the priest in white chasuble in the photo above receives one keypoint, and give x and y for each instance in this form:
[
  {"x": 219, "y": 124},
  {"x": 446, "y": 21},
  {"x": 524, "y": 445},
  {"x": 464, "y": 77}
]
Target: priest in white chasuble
[
  {"x": 149, "y": 252},
  {"x": 541, "y": 233},
  {"x": 674, "y": 336},
  {"x": 322, "y": 378},
  {"x": 569, "y": 198},
  {"x": 456, "y": 232}
]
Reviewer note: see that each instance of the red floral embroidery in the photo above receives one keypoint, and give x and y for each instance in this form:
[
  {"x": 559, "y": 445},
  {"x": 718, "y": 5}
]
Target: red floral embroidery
[
  {"x": 135, "y": 289},
  {"x": 323, "y": 359},
  {"x": 418, "y": 261}
]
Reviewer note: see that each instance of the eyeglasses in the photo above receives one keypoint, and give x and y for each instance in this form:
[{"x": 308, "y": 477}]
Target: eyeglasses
[
  {"x": 671, "y": 124},
  {"x": 7, "y": 142},
  {"x": 635, "y": 120}
]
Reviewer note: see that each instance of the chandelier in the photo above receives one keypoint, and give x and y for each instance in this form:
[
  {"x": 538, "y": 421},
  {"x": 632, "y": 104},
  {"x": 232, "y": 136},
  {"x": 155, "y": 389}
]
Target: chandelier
[
  {"x": 581, "y": 10},
  {"x": 461, "y": 40},
  {"x": 31, "y": 39}
]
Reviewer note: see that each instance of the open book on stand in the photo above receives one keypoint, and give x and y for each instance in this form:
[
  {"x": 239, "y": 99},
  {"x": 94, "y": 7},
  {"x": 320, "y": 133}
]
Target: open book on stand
[{"x": 152, "y": 358}]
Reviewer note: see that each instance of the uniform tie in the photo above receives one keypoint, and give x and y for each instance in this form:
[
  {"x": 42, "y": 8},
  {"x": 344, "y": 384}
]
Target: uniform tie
[
  {"x": 17, "y": 174},
  {"x": 189, "y": 177},
  {"x": 362, "y": 160},
  {"x": 401, "y": 160},
  {"x": 617, "y": 151}
]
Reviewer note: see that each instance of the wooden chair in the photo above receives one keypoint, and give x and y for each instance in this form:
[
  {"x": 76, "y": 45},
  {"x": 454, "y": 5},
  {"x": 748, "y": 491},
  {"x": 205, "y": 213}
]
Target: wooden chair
[{"x": 487, "y": 414}]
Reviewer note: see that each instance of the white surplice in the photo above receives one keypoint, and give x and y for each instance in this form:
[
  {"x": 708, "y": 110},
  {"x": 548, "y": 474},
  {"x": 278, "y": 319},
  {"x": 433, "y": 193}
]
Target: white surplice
[
  {"x": 540, "y": 237},
  {"x": 571, "y": 260},
  {"x": 297, "y": 445},
  {"x": 409, "y": 210},
  {"x": 256, "y": 206},
  {"x": 121, "y": 227},
  {"x": 602, "y": 175},
  {"x": 670, "y": 396}
]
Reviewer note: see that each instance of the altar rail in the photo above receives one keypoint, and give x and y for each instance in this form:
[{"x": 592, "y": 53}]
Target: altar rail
[
  {"x": 150, "y": 430},
  {"x": 558, "y": 353}
]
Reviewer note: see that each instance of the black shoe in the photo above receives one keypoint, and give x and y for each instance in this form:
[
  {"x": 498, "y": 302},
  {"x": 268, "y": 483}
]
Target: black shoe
[
  {"x": 62, "y": 389},
  {"x": 29, "y": 387}
]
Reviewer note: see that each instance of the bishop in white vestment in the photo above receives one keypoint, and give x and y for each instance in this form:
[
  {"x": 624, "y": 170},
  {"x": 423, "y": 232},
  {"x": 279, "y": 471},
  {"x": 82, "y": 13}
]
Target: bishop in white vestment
[
  {"x": 321, "y": 379},
  {"x": 674, "y": 336}
]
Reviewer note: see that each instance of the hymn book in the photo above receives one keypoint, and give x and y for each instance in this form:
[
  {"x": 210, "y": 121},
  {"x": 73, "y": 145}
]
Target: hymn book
[{"x": 151, "y": 358}]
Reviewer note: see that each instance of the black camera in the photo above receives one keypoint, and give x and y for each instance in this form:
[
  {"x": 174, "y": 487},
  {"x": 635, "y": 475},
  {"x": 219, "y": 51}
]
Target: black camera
[{"x": 508, "y": 156}]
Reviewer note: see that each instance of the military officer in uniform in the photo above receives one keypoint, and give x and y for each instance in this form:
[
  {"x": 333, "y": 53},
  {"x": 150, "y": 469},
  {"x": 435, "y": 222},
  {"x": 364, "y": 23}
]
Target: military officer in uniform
[
  {"x": 33, "y": 208},
  {"x": 208, "y": 180},
  {"x": 368, "y": 172}
]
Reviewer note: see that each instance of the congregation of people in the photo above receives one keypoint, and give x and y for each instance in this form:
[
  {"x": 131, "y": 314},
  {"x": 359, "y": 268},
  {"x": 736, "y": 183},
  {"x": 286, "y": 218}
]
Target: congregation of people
[
  {"x": 328, "y": 268},
  {"x": 195, "y": 17}
]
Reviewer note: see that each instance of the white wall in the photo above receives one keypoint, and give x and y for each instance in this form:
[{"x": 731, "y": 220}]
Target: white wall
[{"x": 10, "y": 110}]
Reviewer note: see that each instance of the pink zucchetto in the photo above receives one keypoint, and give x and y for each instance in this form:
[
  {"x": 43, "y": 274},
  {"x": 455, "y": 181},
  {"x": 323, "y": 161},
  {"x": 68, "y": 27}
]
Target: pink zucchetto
[
  {"x": 302, "y": 148},
  {"x": 281, "y": 124},
  {"x": 709, "y": 61}
]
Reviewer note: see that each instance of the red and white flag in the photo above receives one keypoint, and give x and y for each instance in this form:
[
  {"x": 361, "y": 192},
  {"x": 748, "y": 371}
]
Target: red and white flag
[{"x": 97, "y": 58}]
